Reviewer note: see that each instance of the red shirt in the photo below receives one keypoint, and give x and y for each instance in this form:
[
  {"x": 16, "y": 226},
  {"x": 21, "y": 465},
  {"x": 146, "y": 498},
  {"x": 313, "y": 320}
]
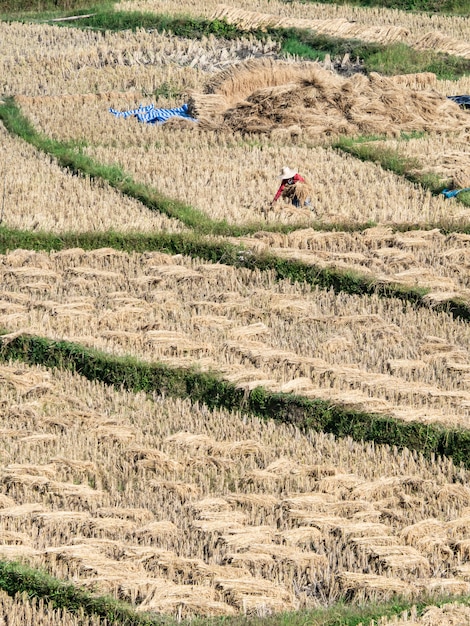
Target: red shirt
[{"x": 288, "y": 181}]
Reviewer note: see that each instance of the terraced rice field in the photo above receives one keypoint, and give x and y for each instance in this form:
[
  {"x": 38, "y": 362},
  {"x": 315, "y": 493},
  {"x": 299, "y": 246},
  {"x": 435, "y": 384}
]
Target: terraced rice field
[
  {"x": 449, "y": 34},
  {"x": 138, "y": 497},
  {"x": 181, "y": 510}
]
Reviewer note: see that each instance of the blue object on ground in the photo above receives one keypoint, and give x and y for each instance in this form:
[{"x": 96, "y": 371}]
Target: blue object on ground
[
  {"x": 151, "y": 115},
  {"x": 451, "y": 193},
  {"x": 463, "y": 101}
]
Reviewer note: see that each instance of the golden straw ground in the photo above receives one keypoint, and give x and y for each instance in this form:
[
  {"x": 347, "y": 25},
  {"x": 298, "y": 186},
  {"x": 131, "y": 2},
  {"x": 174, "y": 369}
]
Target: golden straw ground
[
  {"x": 40, "y": 195},
  {"x": 95, "y": 482},
  {"x": 371, "y": 353}
]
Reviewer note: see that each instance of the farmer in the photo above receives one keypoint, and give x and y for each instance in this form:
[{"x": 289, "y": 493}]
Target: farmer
[{"x": 294, "y": 188}]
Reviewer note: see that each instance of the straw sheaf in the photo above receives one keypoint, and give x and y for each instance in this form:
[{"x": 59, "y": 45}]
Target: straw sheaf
[
  {"x": 259, "y": 555},
  {"x": 424, "y": 529},
  {"x": 385, "y": 586},
  {"x": 11, "y": 537},
  {"x": 210, "y": 504},
  {"x": 176, "y": 341},
  {"x": 26, "y": 509},
  {"x": 252, "y": 330},
  {"x": 452, "y": 614},
  {"x": 152, "y": 458},
  {"x": 178, "y": 603},
  {"x": 370, "y": 541},
  {"x": 175, "y": 272},
  {"x": 400, "y": 559},
  {"x": 463, "y": 548},
  {"x": 456, "y": 494},
  {"x": 220, "y": 522},
  {"x": 211, "y": 321},
  {"x": 6, "y": 502},
  {"x": 247, "y": 537},
  {"x": 158, "y": 530},
  {"x": 17, "y": 552},
  {"x": 113, "y": 527},
  {"x": 463, "y": 571},
  {"x": 73, "y": 491},
  {"x": 458, "y": 527},
  {"x": 358, "y": 510},
  {"x": 308, "y": 501},
  {"x": 61, "y": 519},
  {"x": 389, "y": 486},
  {"x": 191, "y": 440},
  {"x": 341, "y": 484},
  {"x": 305, "y": 536},
  {"x": 253, "y": 500},
  {"x": 240, "y": 590},
  {"x": 240, "y": 449},
  {"x": 77, "y": 465},
  {"x": 115, "y": 432},
  {"x": 180, "y": 489},
  {"x": 443, "y": 43}
]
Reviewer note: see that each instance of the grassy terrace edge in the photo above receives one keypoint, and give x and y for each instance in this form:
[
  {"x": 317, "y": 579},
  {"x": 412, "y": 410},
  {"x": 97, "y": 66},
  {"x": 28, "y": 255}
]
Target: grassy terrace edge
[
  {"x": 16, "y": 577},
  {"x": 211, "y": 389},
  {"x": 366, "y": 149}
]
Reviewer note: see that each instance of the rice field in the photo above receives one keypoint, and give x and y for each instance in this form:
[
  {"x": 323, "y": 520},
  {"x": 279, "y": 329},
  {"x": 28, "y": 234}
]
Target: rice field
[
  {"x": 448, "y": 34},
  {"x": 370, "y": 353},
  {"x": 239, "y": 189},
  {"x": 49, "y": 60},
  {"x": 40, "y": 195},
  {"x": 184, "y": 511},
  {"x": 160, "y": 502},
  {"x": 446, "y": 156},
  {"x": 22, "y": 610}
]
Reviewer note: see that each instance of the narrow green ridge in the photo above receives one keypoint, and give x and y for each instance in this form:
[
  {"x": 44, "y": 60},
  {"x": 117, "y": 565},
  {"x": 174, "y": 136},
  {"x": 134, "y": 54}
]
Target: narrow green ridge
[
  {"x": 209, "y": 388},
  {"x": 390, "y": 159},
  {"x": 19, "y": 578}
]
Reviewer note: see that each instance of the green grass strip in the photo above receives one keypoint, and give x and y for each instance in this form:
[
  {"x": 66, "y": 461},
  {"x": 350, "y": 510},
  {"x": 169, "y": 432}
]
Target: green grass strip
[
  {"x": 208, "y": 387},
  {"x": 391, "y": 159},
  {"x": 19, "y": 578}
]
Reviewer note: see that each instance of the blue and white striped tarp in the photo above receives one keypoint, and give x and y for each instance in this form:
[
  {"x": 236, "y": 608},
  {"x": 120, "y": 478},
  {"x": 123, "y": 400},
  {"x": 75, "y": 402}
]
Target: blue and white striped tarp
[
  {"x": 150, "y": 115},
  {"x": 463, "y": 101}
]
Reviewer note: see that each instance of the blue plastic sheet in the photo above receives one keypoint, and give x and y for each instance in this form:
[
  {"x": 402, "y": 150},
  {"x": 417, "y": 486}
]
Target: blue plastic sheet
[{"x": 463, "y": 101}]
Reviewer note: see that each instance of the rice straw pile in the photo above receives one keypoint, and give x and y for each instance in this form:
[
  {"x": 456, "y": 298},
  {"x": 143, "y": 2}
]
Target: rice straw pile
[{"x": 263, "y": 96}]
